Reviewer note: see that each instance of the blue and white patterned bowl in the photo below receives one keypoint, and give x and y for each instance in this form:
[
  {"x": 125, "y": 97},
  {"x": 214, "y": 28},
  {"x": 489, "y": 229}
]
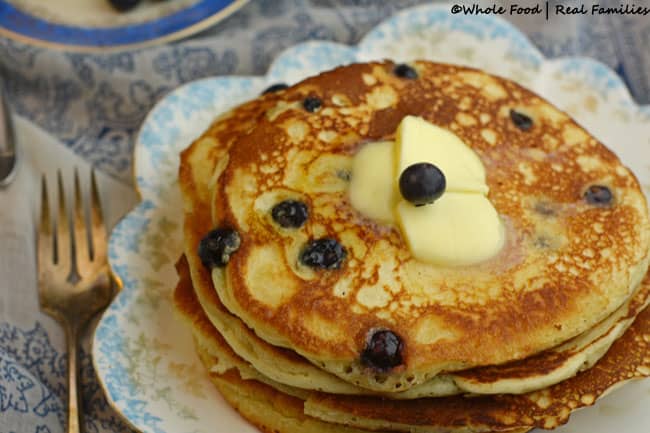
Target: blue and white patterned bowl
[
  {"x": 145, "y": 360},
  {"x": 44, "y": 24}
]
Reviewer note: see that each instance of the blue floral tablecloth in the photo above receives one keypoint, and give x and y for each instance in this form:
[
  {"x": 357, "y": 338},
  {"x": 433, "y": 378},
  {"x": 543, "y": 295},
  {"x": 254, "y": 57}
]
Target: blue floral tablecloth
[{"x": 94, "y": 104}]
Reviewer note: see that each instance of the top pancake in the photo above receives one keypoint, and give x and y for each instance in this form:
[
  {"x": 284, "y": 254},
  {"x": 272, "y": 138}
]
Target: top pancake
[{"x": 565, "y": 266}]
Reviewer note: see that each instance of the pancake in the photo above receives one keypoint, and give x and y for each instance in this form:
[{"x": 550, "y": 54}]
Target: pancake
[
  {"x": 274, "y": 367},
  {"x": 252, "y": 395},
  {"x": 627, "y": 359},
  {"x": 285, "y": 367},
  {"x": 533, "y": 373},
  {"x": 266, "y": 408},
  {"x": 272, "y": 411},
  {"x": 555, "y": 365},
  {"x": 543, "y": 370},
  {"x": 566, "y": 266}
]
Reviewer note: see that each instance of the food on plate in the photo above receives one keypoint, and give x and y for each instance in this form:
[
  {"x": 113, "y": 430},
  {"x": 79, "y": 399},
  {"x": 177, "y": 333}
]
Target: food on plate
[
  {"x": 270, "y": 404},
  {"x": 378, "y": 243}
]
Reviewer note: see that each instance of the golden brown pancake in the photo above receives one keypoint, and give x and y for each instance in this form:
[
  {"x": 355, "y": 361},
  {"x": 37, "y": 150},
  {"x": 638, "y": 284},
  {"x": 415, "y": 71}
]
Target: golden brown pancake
[
  {"x": 266, "y": 408},
  {"x": 566, "y": 266},
  {"x": 628, "y": 359},
  {"x": 539, "y": 371},
  {"x": 272, "y": 411},
  {"x": 283, "y": 366}
]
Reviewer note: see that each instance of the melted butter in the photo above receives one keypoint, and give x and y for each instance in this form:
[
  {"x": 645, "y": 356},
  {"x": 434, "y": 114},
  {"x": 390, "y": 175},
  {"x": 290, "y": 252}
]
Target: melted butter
[
  {"x": 462, "y": 227},
  {"x": 372, "y": 186},
  {"x": 421, "y": 141},
  {"x": 458, "y": 229}
]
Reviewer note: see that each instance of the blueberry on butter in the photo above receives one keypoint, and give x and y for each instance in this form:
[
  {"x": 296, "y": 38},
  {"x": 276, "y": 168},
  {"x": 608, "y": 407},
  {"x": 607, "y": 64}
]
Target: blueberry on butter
[
  {"x": 216, "y": 247},
  {"x": 312, "y": 103},
  {"x": 325, "y": 253},
  {"x": 275, "y": 88},
  {"x": 383, "y": 350},
  {"x": 422, "y": 183},
  {"x": 290, "y": 213},
  {"x": 520, "y": 120},
  {"x": 405, "y": 71},
  {"x": 598, "y": 195}
]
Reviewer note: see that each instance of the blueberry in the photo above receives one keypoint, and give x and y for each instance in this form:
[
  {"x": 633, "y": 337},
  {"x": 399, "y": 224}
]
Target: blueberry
[
  {"x": 598, "y": 195},
  {"x": 217, "y": 246},
  {"x": 542, "y": 242},
  {"x": 290, "y": 213},
  {"x": 544, "y": 208},
  {"x": 275, "y": 88},
  {"x": 383, "y": 350},
  {"x": 344, "y": 175},
  {"x": 522, "y": 121},
  {"x": 323, "y": 253},
  {"x": 124, "y": 5},
  {"x": 312, "y": 103},
  {"x": 405, "y": 71},
  {"x": 422, "y": 183}
]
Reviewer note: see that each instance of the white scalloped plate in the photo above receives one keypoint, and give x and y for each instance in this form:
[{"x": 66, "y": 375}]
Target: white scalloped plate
[{"x": 145, "y": 359}]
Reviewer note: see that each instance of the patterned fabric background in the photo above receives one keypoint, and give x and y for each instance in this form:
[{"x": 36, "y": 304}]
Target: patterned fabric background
[{"x": 95, "y": 104}]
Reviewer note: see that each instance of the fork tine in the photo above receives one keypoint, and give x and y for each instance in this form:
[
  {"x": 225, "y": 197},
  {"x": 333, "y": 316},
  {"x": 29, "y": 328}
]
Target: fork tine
[
  {"x": 98, "y": 230},
  {"x": 80, "y": 228},
  {"x": 66, "y": 295},
  {"x": 64, "y": 257},
  {"x": 45, "y": 236}
]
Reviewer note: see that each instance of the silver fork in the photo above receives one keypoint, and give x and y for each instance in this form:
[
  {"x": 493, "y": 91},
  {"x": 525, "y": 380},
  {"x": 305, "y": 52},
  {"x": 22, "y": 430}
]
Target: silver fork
[{"x": 74, "y": 282}]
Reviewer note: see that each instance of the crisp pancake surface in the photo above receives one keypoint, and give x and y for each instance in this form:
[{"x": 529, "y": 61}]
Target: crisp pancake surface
[
  {"x": 257, "y": 397},
  {"x": 628, "y": 359},
  {"x": 275, "y": 412},
  {"x": 565, "y": 266},
  {"x": 213, "y": 323},
  {"x": 268, "y": 409},
  {"x": 237, "y": 347}
]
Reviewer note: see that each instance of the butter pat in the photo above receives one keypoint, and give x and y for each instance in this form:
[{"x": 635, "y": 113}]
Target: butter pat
[
  {"x": 372, "y": 187},
  {"x": 461, "y": 227},
  {"x": 458, "y": 229},
  {"x": 421, "y": 141}
]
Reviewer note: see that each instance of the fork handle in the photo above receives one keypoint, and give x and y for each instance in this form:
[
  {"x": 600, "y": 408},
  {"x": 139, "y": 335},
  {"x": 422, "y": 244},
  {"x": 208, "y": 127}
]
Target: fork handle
[{"x": 74, "y": 415}]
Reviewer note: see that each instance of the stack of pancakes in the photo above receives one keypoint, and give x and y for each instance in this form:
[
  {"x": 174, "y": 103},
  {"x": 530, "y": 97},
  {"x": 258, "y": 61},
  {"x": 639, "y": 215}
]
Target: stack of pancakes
[{"x": 381, "y": 341}]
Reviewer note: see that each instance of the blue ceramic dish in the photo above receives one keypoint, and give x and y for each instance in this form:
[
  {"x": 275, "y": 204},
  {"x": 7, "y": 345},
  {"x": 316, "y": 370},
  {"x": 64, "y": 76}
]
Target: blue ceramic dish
[{"x": 24, "y": 26}]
